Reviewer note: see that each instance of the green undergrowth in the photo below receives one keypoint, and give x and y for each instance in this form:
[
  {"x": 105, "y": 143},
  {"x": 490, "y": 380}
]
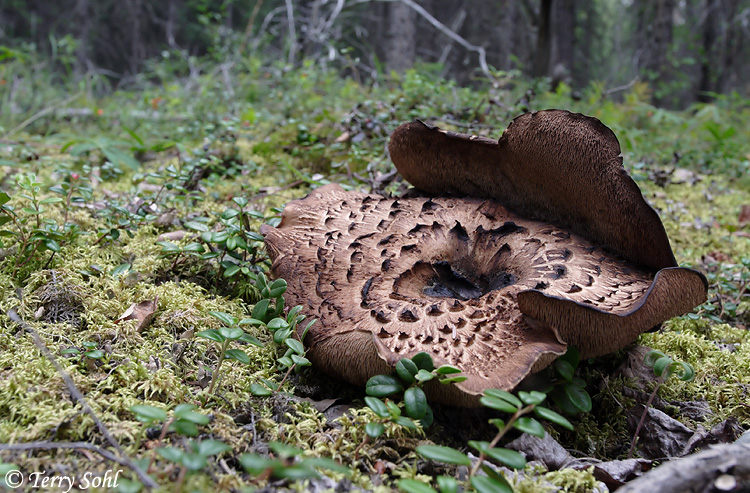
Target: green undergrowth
[{"x": 132, "y": 162}]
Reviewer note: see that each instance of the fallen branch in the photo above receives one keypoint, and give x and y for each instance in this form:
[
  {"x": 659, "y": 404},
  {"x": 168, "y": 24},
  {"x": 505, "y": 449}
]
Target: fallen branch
[
  {"x": 723, "y": 467},
  {"x": 79, "y": 398}
]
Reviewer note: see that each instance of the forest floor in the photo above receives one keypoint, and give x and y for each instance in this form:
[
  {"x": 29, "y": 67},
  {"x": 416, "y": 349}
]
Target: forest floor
[{"x": 130, "y": 237}]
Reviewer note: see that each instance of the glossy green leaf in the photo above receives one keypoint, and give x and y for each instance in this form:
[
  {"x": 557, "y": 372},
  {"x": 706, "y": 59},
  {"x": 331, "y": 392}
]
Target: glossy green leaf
[
  {"x": 284, "y": 449},
  {"x": 415, "y": 402},
  {"x": 507, "y": 457},
  {"x": 212, "y": 334},
  {"x": 145, "y": 413},
  {"x": 256, "y": 464},
  {"x": 406, "y": 423},
  {"x": 378, "y": 406},
  {"x": 531, "y": 398},
  {"x": 406, "y": 369},
  {"x": 211, "y": 447},
  {"x": 260, "y": 390},
  {"x": 504, "y": 395},
  {"x": 529, "y": 425},
  {"x": 447, "y": 370},
  {"x": 498, "y": 404},
  {"x": 447, "y": 484},
  {"x": 225, "y": 318},
  {"x": 295, "y": 345},
  {"x": 383, "y": 385},
  {"x": 374, "y": 429},
  {"x": 423, "y": 361},
  {"x": 414, "y": 486},
  {"x": 564, "y": 369},
  {"x": 443, "y": 454},
  {"x": 554, "y": 417},
  {"x": 231, "y": 333},
  {"x": 237, "y": 355},
  {"x": 485, "y": 484},
  {"x": 578, "y": 397}
]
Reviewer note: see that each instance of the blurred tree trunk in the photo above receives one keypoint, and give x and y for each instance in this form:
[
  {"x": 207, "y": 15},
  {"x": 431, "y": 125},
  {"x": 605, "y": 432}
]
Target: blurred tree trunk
[
  {"x": 543, "y": 40},
  {"x": 564, "y": 13},
  {"x": 507, "y": 21},
  {"x": 402, "y": 37},
  {"x": 655, "y": 29},
  {"x": 719, "y": 48}
]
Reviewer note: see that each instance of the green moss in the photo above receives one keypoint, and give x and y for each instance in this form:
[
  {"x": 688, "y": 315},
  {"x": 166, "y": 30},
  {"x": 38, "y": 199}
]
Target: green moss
[{"x": 720, "y": 355}]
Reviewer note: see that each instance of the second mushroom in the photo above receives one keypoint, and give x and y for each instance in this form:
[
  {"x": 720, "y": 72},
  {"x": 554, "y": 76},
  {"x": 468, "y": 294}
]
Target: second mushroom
[{"x": 516, "y": 249}]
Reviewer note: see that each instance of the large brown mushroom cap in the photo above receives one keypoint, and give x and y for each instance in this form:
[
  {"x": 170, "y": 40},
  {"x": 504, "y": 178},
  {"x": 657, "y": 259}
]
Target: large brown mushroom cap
[
  {"x": 551, "y": 165},
  {"x": 473, "y": 282}
]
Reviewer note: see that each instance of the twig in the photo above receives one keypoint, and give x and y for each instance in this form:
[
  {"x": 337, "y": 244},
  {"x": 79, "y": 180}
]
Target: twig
[
  {"x": 643, "y": 417},
  {"x": 50, "y": 445},
  {"x": 481, "y": 53},
  {"x": 39, "y": 114},
  {"x": 78, "y": 397},
  {"x": 292, "y": 32},
  {"x": 621, "y": 88}
]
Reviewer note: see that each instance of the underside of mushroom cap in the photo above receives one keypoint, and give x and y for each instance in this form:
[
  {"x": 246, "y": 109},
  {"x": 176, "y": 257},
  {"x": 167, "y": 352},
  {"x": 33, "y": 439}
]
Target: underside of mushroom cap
[
  {"x": 552, "y": 166},
  {"x": 388, "y": 278}
]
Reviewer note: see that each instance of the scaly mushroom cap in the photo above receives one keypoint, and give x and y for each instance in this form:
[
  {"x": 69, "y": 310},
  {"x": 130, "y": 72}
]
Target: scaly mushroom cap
[
  {"x": 473, "y": 282},
  {"x": 553, "y": 165}
]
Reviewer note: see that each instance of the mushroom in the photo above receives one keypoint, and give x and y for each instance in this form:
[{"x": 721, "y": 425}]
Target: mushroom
[{"x": 550, "y": 244}]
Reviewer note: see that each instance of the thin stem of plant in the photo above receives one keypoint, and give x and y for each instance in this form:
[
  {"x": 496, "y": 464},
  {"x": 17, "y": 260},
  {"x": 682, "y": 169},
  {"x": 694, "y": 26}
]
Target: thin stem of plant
[
  {"x": 643, "y": 416},
  {"x": 215, "y": 377},
  {"x": 500, "y": 435}
]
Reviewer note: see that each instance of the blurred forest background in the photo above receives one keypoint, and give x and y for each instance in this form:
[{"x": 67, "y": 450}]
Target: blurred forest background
[{"x": 686, "y": 50}]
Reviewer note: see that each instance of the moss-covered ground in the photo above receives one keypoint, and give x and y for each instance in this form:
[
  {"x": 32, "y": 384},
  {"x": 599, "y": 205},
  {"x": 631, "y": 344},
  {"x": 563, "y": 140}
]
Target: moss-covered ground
[{"x": 162, "y": 158}]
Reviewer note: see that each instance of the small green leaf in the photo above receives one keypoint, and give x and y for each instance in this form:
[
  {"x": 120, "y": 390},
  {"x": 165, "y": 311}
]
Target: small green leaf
[
  {"x": 377, "y": 406},
  {"x": 415, "y": 402},
  {"x": 251, "y": 340},
  {"x": 578, "y": 397},
  {"x": 237, "y": 355},
  {"x": 414, "y": 486},
  {"x": 172, "y": 454},
  {"x": 197, "y": 226},
  {"x": 183, "y": 427},
  {"x": 551, "y": 415},
  {"x": 662, "y": 364},
  {"x": 406, "y": 422},
  {"x": 447, "y": 484},
  {"x": 231, "y": 333},
  {"x": 684, "y": 371},
  {"x": 300, "y": 360},
  {"x": 507, "y": 457},
  {"x": 211, "y": 447},
  {"x": 652, "y": 357},
  {"x": 453, "y": 379},
  {"x": 382, "y": 385},
  {"x": 443, "y": 454},
  {"x": 424, "y": 375},
  {"x": 486, "y": 484},
  {"x": 147, "y": 414},
  {"x": 406, "y": 369},
  {"x": 284, "y": 450},
  {"x": 256, "y": 464},
  {"x": 211, "y": 334},
  {"x": 260, "y": 390},
  {"x": 564, "y": 369},
  {"x": 534, "y": 397},
  {"x": 185, "y": 411},
  {"x": 374, "y": 429},
  {"x": 225, "y": 318},
  {"x": 95, "y": 354},
  {"x": 325, "y": 463},
  {"x": 447, "y": 370},
  {"x": 295, "y": 345},
  {"x": 530, "y": 426},
  {"x": 120, "y": 269},
  {"x": 504, "y": 395},
  {"x": 499, "y": 404},
  {"x": 423, "y": 361}
]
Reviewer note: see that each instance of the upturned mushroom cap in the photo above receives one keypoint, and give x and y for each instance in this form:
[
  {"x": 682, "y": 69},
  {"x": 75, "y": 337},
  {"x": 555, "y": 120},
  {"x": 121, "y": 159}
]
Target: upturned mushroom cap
[
  {"x": 476, "y": 283},
  {"x": 551, "y": 165}
]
